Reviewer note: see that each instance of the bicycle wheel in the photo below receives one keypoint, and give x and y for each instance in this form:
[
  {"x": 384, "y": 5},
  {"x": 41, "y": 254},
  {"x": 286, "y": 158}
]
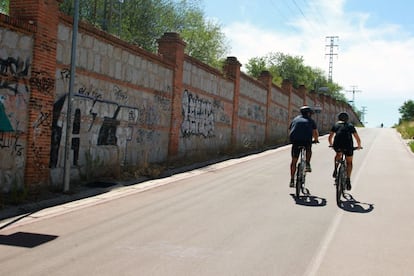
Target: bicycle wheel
[
  {"x": 343, "y": 180},
  {"x": 339, "y": 181},
  {"x": 299, "y": 174}
]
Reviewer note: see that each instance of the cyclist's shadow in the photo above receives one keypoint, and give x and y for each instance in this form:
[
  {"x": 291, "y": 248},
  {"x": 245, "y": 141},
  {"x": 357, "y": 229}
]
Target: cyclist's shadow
[
  {"x": 307, "y": 199},
  {"x": 352, "y": 205}
]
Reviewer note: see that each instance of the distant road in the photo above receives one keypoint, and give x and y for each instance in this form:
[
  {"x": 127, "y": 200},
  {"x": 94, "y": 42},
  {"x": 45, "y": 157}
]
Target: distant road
[{"x": 238, "y": 217}]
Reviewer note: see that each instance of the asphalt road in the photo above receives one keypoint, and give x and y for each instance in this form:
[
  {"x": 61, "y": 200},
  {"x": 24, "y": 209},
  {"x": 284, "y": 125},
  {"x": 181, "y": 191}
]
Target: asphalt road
[{"x": 238, "y": 217}]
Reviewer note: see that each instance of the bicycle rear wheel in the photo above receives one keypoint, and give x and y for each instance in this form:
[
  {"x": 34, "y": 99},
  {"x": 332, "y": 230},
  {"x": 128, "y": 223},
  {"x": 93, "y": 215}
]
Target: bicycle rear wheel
[
  {"x": 299, "y": 178},
  {"x": 340, "y": 184}
]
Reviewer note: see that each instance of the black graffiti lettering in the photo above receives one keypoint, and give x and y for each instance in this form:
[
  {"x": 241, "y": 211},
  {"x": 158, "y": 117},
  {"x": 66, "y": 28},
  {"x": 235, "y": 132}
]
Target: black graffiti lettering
[
  {"x": 14, "y": 67},
  {"x": 10, "y": 140},
  {"x": 43, "y": 82},
  {"x": 119, "y": 94},
  {"x": 164, "y": 103},
  {"x": 90, "y": 93},
  {"x": 198, "y": 116},
  {"x": 65, "y": 74},
  {"x": 13, "y": 73},
  {"x": 43, "y": 120}
]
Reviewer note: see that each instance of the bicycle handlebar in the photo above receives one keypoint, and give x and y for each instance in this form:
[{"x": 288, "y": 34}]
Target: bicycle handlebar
[{"x": 354, "y": 148}]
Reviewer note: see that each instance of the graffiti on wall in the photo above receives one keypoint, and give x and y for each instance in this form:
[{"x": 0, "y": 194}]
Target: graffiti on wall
[
  {"x": 16, "y": 83},
  {"x": 14, "y": 98},
  {"x": 14, "y": 93},
  {"x": 104, "y": 118},
  {"x": 198, "y": 116}
]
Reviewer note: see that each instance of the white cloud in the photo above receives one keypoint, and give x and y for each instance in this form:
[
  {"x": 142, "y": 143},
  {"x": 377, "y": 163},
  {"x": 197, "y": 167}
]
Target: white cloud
[{"x": 377, "y": 59}]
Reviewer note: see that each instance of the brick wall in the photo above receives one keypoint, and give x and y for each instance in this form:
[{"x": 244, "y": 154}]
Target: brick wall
[{"x": 129, "y": 107}]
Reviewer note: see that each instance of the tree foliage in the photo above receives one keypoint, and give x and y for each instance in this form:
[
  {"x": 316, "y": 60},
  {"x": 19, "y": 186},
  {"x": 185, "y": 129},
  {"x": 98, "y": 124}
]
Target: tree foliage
[
  {"x": 4, "y": 6},
  {"x": 283, "y": 66},
  {"x": 407, "y": 111},
  {"x": 142, "y": 22}
]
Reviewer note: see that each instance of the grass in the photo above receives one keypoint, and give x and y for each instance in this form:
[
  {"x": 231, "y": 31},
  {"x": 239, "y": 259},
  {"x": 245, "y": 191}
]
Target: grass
[{"x": 406, "y": 129}]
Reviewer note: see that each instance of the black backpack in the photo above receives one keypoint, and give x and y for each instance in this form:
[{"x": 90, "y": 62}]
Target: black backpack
[{"x": 343, "y": 132}]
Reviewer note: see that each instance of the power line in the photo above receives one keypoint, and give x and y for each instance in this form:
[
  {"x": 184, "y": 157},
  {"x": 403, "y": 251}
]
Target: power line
[
  {"x": 279, "y": 10},
  {"x": 300, "y": 10},
  {"x": 312, "y": 25},
  {"x": 291, "y": 9},
  {"x": 319, "y": 16}
]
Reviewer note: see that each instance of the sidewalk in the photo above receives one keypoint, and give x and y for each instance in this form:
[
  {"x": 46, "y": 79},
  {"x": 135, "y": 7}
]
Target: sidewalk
[
  {"x": 101, "y": 191},
  {"x": 104, "y": 190}
]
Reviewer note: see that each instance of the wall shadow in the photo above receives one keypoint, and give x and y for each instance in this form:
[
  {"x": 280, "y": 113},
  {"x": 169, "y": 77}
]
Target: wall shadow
[{"x": 25, "y": 239}]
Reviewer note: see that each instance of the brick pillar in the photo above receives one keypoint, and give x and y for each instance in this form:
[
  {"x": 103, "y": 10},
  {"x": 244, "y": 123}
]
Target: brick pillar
[
  {"x": 231, "y": 69},
  {"x": 287, "y": 87},
  {"x": 171, "y": 47},
  {"x": 45, "y": 16},
  {"x": 302, "y": 93},
  {"x": 325, "y": 116},
  {"x": 331, "y": 112},
  {"x": 266, "y": 78}
]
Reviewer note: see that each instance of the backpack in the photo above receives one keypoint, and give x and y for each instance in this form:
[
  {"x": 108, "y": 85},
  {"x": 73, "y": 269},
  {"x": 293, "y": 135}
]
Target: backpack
[{"x": 343, "y": 134}]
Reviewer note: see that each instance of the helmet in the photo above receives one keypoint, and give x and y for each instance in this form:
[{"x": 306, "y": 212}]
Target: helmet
[
  {"x": 306, "y": 110},
  {"x": 343, "y": 116}
]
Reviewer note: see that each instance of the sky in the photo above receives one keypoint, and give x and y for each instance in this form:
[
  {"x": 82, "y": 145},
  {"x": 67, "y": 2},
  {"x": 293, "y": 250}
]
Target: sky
[{"x": 373, "y": 52}]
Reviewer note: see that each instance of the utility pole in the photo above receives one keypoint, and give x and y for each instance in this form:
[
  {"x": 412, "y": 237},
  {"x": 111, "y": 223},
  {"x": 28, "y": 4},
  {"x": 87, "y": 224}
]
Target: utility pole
[
  {"x": 353, "y": 91},
  {"x": 331, "y": 53},
  {"x": 68, "y": 140},
  {"x": 363, "y": 112}
]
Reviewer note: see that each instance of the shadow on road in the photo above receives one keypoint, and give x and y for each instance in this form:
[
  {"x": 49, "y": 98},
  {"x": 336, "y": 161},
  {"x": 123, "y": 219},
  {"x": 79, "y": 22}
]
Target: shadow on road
[
  {"x": 24, "y": 239},
  {"x": 309, "y": 200},
  {"x": 354, "y": 206}
]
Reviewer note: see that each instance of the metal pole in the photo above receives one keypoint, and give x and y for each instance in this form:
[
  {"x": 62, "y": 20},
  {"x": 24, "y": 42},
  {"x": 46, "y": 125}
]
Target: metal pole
[{"x": 68, "y": 142}]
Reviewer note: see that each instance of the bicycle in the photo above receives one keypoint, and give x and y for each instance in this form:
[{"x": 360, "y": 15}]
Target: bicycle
[
  {"x": 340, "y": 179},
  {"x": 301, "y": 171}
]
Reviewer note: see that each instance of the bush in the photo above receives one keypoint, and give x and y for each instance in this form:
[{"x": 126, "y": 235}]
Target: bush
[
  {"x": 411, "y": 144},
  {"x": 406, "y": 129}
]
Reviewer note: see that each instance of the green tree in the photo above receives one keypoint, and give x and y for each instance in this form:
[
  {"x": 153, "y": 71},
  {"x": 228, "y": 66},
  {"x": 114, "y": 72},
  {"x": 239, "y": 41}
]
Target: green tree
[
  {"x": 283, "y": 66},
  {"x": 4, "y": 6},
  {"x": 407, "y": 111},
  {"x": 205, "y": 40},
  {"x": 142, "y": 22}
]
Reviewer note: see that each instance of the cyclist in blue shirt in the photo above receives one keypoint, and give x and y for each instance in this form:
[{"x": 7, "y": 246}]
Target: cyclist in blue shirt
[
  {"x": 340, "y": 138},
  {"x": 301, "y": 131}
]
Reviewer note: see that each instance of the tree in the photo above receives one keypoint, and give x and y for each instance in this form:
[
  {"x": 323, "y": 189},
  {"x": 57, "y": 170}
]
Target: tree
[
  {"x": 142, "y": 22},
  {"x": 4, "y": 6},
  {"x": 407, "y": 111},
  {"x": 283, "y": 66},
  {"x": 205, "y": 40}
]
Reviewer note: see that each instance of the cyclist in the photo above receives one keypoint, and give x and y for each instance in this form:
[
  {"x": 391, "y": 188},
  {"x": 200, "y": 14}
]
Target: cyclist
[
  {"x": 340, "y": 138},
  {"x": 301, "y": 131}
]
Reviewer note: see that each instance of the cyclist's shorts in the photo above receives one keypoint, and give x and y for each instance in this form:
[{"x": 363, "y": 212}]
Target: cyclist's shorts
[
  {"x": 346, "y": 151},
  {"x": 296, "y": 148}
]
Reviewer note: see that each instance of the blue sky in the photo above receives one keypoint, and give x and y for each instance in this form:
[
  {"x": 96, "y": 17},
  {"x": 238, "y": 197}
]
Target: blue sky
[{"x": 375, "y": 53}]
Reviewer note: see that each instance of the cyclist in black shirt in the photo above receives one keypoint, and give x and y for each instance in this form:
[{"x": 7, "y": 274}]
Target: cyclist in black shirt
[
  {"x": 340, "y": 138},
  {"x": 302, "y": 129}
]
